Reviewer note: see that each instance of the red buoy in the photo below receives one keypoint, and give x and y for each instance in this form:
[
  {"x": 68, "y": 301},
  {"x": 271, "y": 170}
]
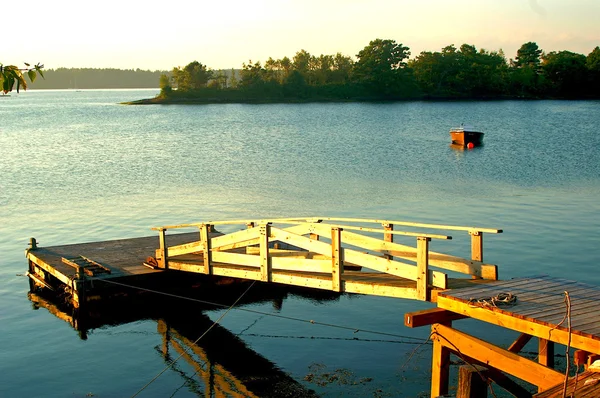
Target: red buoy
[{"x": 470, "y": 145}]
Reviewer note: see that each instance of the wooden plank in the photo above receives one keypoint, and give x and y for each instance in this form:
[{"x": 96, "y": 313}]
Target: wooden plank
[
  {"x": 239, "y": 259},
  {"x": 404, "y": 223},
  {"x": 417, "y": 319},
  {"x": 498, "y": 317},
  {"x": 235, "y": 239},
  {"x": 186, "y": 248},
  {"x": 423, "y": 268},
  {"x": 301, "y": 265},
  {"x": 503, "y": 360}
]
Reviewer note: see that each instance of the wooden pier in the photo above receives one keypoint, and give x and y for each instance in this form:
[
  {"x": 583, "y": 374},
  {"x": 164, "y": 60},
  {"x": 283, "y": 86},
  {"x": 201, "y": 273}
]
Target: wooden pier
[
  {"x": 350, "y": 255},
  {"x": 342, "y": 255}
]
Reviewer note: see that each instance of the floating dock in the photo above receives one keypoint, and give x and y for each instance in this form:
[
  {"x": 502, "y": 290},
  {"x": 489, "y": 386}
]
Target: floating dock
[{"x": 351, "y": 255}]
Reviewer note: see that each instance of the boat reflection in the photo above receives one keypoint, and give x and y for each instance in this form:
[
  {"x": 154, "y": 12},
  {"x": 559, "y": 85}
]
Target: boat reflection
[{"x": 223, "y": 364}]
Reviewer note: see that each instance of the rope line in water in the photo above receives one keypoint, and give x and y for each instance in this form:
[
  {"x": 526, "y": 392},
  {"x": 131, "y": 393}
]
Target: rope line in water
[
  {"x": 313, "y": 322},
  {"x": 195, "y": 342}
]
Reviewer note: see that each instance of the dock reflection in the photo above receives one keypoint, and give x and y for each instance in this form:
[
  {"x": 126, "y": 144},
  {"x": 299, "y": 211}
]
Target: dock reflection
[{"x": 223, "y": 365}]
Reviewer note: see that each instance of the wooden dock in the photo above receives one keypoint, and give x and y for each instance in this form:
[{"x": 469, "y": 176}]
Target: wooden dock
[
  {"x": 349, "y": 255},
  {"x": 553, "y": 310},
  {"x": 342, "y": 255}
]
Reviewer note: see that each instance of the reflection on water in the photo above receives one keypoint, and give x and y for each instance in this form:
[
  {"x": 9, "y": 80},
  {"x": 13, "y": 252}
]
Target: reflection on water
[{"x": 220, "y": 363}]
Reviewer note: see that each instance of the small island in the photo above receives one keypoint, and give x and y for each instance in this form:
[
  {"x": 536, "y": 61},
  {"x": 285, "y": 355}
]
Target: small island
[{"x": 383, "y": 71}]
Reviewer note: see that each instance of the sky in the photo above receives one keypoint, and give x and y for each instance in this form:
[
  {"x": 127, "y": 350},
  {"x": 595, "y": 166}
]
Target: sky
[{"x": 152, "y": 35}]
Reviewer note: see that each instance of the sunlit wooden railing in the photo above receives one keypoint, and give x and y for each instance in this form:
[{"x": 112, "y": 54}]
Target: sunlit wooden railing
[{"x": 308, "y": 251}]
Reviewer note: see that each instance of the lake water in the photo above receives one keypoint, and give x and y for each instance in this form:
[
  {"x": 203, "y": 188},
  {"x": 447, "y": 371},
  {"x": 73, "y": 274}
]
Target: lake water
[{"x": 76, "y": 166}]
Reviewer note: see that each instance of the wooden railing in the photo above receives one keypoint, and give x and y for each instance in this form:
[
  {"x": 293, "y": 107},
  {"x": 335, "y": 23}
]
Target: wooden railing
[{"x": 277, "y": 250}]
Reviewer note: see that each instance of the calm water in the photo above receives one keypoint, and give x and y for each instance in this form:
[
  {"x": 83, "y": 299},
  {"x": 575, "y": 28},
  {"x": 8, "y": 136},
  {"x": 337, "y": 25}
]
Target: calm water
[{"x": 76, "y": 166}]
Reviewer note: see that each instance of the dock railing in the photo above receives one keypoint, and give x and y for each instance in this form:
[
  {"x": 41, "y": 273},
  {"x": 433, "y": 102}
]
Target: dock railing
[{"x": 316, "y": 251}]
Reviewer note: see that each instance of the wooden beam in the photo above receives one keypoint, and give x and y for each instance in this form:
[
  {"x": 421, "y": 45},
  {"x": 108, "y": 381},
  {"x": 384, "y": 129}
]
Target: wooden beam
[
  {"x": 337, "y": 260},
  {"x": 440, "y": 369},
  {"x": 469, "y": 347},
  {"x": 519, "y": 343},
  {"x": 428, "y": 317}
]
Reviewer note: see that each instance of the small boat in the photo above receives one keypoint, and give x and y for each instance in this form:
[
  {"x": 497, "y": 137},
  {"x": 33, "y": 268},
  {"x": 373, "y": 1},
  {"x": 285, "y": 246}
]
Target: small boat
[{"x": 466, "y": 136}]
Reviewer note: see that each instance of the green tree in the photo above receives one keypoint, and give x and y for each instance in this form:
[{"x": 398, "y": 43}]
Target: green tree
[
  {"x": 164, "y": 84},
  {"x": 528, "y": 55},
  {"x": 11, "y": 75},
  {"x": 193, "y": 76},
  {"x": 592, "y": 62},
  {"x": 566, "y": 73},
  {"x": 381, "y": 67},
  {"x": 526, "y": 70}
]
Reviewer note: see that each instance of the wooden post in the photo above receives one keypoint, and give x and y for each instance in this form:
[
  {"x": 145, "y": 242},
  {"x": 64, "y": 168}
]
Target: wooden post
[
  {"x": 32, "y": 244},
  {"x": 472, "y": 382},
  {"x": 265, "y": 261},
  {"x": 423, "y": 268},
  {"x": 79, "y": 288},
  {"x": 205, "y": 237},
  {"x": 313, "y": 235},
  {"x": 163, "y": 262},
  {"x": 337, "y": 260},
  {"x": 546, "y": 353},
  {"x": 476, "y": 245},
  {"x": 440, "y": 368},
  {"x": 388, "y": 238},
  {"x": 249, "y": 225}
]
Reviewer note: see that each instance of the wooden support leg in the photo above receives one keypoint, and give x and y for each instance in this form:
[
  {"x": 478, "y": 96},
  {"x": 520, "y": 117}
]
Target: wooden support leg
[
  {"x": 440, "y": 370},
  {"x": 472, "y": 382},
  {"x": 546, "y": 353}
]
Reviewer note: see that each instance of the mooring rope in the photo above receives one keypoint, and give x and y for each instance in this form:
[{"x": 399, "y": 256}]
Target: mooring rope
[
  {"x": 499, "y": 300},
  {"x": 312, "y": 322},
  {"x": 195, "y": 342},
  {"x": 568, "y": 315}
]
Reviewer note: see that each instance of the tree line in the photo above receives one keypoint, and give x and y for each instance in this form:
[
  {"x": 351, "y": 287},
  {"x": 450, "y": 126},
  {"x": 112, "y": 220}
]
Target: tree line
[{"x": 383, "y": 71}]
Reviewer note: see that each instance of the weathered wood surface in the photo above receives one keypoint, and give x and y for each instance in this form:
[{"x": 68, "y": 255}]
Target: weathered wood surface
[
  {"x": 587, "y": 386},
  {"x": 540, "y": 309},
  {"x": 124, "y": 257}
]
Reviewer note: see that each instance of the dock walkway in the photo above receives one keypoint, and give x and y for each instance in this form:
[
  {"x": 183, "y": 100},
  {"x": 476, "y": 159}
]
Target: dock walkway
[{"x": 342, "y": 255}]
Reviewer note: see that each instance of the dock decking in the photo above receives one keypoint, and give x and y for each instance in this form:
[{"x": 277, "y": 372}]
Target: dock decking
[{"x": 553, "y": 310}]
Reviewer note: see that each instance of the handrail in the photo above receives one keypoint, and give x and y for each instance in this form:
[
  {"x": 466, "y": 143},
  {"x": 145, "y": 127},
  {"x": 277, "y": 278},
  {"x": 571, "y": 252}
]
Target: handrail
[{"x": 292, "y": 220}]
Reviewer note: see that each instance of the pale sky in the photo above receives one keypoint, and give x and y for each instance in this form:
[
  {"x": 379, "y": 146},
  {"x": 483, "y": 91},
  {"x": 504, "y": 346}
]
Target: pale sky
[{"x": 130, "y": 34}]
